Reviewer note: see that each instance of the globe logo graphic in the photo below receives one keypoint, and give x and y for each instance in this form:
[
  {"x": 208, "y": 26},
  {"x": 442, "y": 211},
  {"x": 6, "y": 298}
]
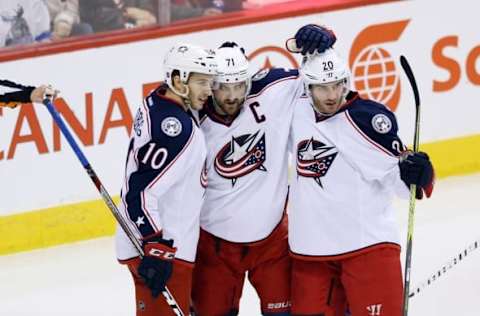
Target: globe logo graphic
[{"x": 375, "y": 76}]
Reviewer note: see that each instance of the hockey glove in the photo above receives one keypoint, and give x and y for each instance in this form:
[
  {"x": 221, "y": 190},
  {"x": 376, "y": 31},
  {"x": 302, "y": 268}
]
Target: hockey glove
[
  {"x": 416, "y": 168},
  {"x": 313, "y": 37},
  {"x": 156, "y": 266}
]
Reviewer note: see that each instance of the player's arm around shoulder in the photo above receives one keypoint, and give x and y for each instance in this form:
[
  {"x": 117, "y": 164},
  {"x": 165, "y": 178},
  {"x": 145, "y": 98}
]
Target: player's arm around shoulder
[{"x": 266, "y": 78}]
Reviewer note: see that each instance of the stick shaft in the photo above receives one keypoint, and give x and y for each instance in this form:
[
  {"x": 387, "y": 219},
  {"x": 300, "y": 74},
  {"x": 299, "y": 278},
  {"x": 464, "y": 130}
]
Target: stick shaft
[
  {"x": 106, "y": 197},
  {"x": 411, "y": 211}
]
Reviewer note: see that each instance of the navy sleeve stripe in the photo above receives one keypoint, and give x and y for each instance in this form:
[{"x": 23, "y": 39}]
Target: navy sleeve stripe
[
  {"x": 371, "y": 141},
  {"x": 270, "y": 85},
  {"x": 134, "y": 214},
  {"x": 173, "y": 161},
  {"x": 130, "y": 148},
  {"x": 264, "y": 78}
]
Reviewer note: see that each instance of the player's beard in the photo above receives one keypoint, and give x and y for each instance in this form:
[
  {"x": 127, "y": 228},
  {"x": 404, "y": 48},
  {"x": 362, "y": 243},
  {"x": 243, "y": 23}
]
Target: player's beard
[
  {"x": 329, "y": 108},
  {"x": 231, "y": 107}
]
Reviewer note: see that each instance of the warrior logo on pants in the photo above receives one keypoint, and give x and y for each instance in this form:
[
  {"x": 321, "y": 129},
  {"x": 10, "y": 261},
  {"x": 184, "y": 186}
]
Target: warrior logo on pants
[
  {"x": 314, "y": 158},
  {"x": 240, "y": 156},
  {"x": 374, "y": 310}
]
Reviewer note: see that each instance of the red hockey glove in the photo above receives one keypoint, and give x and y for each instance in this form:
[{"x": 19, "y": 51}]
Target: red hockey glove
[{"x": 157, "y": 265}]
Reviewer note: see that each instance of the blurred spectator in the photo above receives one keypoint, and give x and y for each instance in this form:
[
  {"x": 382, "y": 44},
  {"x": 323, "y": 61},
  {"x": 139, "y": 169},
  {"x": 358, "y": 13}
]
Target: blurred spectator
[
  {"x": 23, "y": 22},
  {"x": 107, "y": 15},
  {"x": 184, "y": 9},
  {"x": 225, "y": 5},
  {"x": 66, "y": 19}
]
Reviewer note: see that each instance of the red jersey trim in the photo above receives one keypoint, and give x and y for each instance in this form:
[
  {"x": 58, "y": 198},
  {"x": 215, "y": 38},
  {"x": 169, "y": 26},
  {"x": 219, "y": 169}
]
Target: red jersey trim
[
  {"x": 259, "y": 242},
  {"x": 135, "y": 261},
  {"x": 345, "y": 255}
]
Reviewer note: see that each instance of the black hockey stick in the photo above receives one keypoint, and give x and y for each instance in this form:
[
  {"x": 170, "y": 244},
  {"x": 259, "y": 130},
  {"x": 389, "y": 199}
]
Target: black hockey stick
[
  {"x": 446, "y": 267},
  {"x": 413, "y": 188},
  {"x": 106, "y": 197}
]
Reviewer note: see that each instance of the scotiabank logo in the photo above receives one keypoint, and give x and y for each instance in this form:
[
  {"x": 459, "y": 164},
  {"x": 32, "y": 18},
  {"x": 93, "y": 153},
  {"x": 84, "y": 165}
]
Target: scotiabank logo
[{"x": 374, "y": 73}]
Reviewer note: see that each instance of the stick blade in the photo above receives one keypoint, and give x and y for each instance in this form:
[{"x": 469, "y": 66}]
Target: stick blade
[{"x": 408, "y": 71}]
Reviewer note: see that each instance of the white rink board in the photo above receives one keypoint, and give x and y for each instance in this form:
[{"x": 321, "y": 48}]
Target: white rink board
[{"x": 56, "y": 178}]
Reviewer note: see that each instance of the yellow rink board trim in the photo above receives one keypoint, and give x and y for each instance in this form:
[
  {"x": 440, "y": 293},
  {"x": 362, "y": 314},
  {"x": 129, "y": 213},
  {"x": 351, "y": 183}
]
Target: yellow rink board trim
[
  {"x": 457, "y": 156},
  {"x": 86, "y": 220},
  {"x": 56, "y": 225}
]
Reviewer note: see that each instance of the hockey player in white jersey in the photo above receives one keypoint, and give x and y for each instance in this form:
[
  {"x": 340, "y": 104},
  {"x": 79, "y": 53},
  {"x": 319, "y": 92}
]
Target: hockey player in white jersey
[
  {"x": 163, "y": 189},
  {"x": 350, "y": 163},
  {"x": 243, "y": 222}
]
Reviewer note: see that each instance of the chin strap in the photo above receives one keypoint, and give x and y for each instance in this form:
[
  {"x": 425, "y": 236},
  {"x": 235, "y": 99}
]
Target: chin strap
[{"x": 184, "y": 95}]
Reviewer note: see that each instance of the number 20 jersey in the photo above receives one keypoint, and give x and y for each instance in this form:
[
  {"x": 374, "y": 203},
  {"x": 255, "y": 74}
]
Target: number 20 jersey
[
  {"x": 345, "y": 179},
  {"x": 247, "y": 160}
]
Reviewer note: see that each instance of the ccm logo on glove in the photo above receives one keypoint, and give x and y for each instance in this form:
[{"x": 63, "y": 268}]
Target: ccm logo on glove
[{"x": 166, "y": 255}]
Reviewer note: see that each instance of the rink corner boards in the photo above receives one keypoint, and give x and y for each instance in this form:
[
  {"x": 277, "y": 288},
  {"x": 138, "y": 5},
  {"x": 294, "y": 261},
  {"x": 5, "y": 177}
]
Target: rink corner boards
[{"x": 92, "y": 219}]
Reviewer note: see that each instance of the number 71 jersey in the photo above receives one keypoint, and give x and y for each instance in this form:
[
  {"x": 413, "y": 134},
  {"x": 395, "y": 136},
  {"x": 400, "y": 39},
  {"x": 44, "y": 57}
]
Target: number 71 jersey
[{"x": 247, "y": 160}]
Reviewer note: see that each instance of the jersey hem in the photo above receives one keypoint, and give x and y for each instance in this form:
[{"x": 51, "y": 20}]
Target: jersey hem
[
  {"x": 344, "y": 255},
  {"x": 136, "y": 259},
  {"x": 255, "y": 242}
]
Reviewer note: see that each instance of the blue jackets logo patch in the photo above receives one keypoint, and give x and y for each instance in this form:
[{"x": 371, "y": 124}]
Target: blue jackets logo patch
[
  {"x": 241, "y": 156},
  {"x": 314, "y": 158}
]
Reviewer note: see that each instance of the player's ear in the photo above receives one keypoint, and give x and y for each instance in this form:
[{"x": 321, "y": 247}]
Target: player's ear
[
  {"x": 345, "y": 87},
  {"x": 177, "y": 82}
]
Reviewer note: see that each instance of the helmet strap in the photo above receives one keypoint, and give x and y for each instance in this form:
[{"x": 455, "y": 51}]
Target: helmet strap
[{"x": 184, "y": 95}]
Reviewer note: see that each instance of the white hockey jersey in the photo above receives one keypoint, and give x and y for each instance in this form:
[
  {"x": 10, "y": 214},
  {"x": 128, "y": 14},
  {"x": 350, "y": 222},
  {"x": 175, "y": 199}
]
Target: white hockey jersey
[
  {"x": 346, "y": 176},
  {"x": 247, "y": 160},
  {"x": 163, "y": 188}
]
